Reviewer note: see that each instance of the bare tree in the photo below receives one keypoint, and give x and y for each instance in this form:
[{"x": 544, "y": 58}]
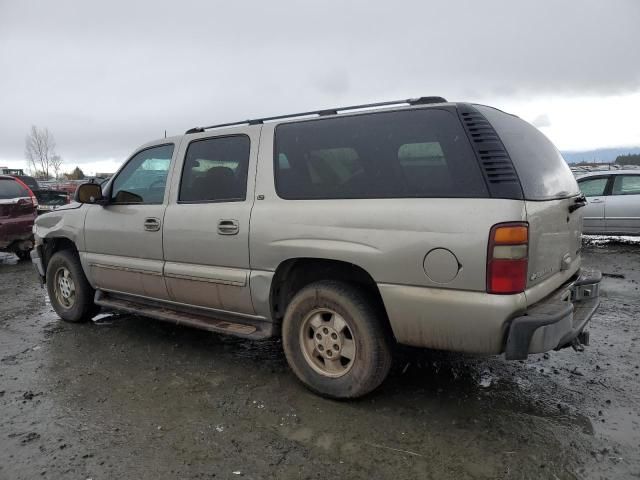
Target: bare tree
[
  {"x": 40, "y": 150},
  {"x": 56, "y": 163}
]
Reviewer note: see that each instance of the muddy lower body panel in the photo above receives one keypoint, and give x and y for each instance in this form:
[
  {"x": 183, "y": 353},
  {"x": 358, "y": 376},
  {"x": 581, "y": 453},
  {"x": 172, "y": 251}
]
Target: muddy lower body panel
[
  {"x": 447, "y": 319},
  {"x": 477, "y": 322}
]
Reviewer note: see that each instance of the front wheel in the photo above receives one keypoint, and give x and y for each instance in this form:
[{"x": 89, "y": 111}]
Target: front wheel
[
  {"x": 336, "y": 340},
  {"x": 69, "y": 291}
]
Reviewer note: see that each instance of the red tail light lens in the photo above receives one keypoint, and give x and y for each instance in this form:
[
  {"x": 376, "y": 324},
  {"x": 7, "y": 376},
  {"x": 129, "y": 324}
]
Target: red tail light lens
[{"x": 507, "y": 258}]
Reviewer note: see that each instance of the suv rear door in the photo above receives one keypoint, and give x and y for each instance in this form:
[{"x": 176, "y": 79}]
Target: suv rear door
[
  {"x": 123, "y": 239},
  {"x": 623, "y": 205},
  {"x": 206, "y": 226}
]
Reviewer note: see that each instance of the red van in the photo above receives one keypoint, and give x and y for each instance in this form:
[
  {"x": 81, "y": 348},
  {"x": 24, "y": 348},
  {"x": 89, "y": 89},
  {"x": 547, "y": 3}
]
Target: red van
[{"x": 18, "y": 210}]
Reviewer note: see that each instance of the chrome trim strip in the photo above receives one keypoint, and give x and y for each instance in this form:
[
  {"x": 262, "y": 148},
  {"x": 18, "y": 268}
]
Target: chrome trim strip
[
  {"x": 126, "y": 269},
  {"x": 204, "y": 279},
  {"x": 236, "y": 277}
]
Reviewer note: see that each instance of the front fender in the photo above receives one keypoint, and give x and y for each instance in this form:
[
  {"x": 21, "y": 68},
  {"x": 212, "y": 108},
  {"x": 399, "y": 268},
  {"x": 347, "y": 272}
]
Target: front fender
[{"x": 65, "y": 223}]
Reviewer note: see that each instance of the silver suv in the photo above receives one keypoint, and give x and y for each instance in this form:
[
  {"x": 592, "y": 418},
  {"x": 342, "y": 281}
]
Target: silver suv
[{"x": 421, "y": 222}]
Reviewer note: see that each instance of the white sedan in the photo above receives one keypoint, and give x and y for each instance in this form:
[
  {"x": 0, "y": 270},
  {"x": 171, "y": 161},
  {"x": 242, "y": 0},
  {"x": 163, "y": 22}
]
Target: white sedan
[{"x": 613, "y": 202}]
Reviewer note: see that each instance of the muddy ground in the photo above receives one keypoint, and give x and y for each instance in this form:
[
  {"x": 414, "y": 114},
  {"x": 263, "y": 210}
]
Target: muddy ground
[{"x": 129, "y": 397}]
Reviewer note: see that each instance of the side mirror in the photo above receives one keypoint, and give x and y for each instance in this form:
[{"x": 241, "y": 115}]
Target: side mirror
[{"x": 89, "y": 193}]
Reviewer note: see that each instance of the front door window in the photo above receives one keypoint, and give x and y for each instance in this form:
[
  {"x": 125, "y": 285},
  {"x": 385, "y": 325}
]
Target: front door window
[{"x": 144, "y": 178}]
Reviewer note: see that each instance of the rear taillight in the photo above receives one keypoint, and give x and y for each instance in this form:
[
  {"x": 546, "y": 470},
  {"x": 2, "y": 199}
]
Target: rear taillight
[{"x": 507, "y": 258}]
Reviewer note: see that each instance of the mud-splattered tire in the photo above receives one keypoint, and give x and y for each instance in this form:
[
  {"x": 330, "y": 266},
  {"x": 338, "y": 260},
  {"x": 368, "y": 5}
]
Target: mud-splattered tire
[
  {"x": 336, "y": 340},
  {"x": 69, "y": 291}
]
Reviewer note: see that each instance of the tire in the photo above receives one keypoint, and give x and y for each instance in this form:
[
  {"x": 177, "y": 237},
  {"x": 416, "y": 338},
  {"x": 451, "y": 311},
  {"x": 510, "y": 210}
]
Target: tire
[
  {"x": 71, "y": 298},
  {"x": 317, "y": 344}
]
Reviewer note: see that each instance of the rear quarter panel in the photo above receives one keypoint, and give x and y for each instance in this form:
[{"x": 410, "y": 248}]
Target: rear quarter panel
[{"x": 389, "y": 238}]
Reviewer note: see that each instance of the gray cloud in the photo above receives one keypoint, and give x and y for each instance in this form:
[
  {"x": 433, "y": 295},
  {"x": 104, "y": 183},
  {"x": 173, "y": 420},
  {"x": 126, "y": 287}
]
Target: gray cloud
[
  {"x": 105, "y": 77},
  {"x": 541, "y": 121}
]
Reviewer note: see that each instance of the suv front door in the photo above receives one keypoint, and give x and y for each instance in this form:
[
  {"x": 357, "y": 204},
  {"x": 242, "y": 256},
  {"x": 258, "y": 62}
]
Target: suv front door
[
  {"x": 206, "y": 228},
  {"x": 595, "y": 190},
  {"x": 123, "y": 239}
]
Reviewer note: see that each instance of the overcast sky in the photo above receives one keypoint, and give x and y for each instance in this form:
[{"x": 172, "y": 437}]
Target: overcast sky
[{"x": 105, "y": 77}]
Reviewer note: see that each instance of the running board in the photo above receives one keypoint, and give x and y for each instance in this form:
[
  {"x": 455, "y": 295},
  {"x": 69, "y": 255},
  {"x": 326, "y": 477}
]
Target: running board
[{"x": 255, "y": 330}]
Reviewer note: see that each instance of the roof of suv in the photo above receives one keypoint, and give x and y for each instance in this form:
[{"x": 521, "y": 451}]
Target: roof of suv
[
  {"x": 329, "y": 112},
  {"x": 310, "y": 115}
]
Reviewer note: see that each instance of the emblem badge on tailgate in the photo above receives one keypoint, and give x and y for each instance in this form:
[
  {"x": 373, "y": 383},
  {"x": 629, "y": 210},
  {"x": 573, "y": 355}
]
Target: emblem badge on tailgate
[{"x": 540, "y": 274}]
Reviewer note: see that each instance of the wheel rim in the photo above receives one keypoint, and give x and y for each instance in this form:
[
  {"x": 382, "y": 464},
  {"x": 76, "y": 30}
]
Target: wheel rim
[
  {"x": 64, "y": 287},
  {"x": 328, "y": 343}
]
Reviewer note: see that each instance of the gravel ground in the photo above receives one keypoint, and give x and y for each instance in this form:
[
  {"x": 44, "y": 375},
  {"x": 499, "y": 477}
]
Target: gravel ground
[{"x": 129, "y": 397}]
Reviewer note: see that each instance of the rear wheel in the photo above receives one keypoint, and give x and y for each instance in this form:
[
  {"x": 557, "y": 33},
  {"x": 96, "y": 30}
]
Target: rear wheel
[
  {"x": 336, "y": 340},
  {"x": 69, "y": 291}
]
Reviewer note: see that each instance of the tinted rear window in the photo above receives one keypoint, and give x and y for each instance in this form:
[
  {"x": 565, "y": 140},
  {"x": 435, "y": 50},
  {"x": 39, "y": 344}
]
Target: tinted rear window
[
  {"x": 543, "y": 173},
  {"x": 412, "y": 153},
  {"x": 11, "y": 189}
]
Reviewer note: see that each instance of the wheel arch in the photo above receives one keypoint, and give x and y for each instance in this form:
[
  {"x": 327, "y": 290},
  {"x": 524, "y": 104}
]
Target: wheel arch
[
  {"x": 55, "y": 244},
  {"x": 293, "y": 274}
]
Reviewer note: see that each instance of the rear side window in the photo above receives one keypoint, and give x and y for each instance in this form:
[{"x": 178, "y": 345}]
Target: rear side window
[
  {"x": 593, "y": 187},
  {"x": 11, "y": 189},
  {"x": 215, "y": 170},
  {"x": 412, "y": 153},
  {"x": 626, "y": 185},
  {"x": 543, "y": 173}
]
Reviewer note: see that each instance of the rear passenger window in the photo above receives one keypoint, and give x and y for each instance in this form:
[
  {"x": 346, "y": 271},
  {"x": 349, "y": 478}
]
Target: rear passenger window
[
  {"x": 626, "y": 185},
  {"x": 10, "y": 189},
  {"x": 414, "y": 153},
  {"x": 215, "y": 170},
  {"x": 593, "y": 187}
]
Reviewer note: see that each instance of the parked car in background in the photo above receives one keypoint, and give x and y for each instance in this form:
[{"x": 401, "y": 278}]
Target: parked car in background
[
  {"x": 18, "y": 210},
  {"x": 423, "y": 222},
  {"x": 48, "y": 199},
  {"x": 67, "y": 186},
  {"x": 613, "y": 198}
]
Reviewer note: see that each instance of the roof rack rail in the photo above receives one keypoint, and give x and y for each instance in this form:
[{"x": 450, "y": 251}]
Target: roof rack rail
[{"x": 324, "y": 112}]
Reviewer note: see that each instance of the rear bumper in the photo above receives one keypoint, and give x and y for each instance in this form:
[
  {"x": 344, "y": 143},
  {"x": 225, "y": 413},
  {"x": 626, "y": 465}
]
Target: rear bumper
[{"x": 557, "y": 321}]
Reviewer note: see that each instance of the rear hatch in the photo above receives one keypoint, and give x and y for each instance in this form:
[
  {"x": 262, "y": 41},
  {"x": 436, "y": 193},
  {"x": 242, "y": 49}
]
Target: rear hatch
[{"x": 550, "y": 192}]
